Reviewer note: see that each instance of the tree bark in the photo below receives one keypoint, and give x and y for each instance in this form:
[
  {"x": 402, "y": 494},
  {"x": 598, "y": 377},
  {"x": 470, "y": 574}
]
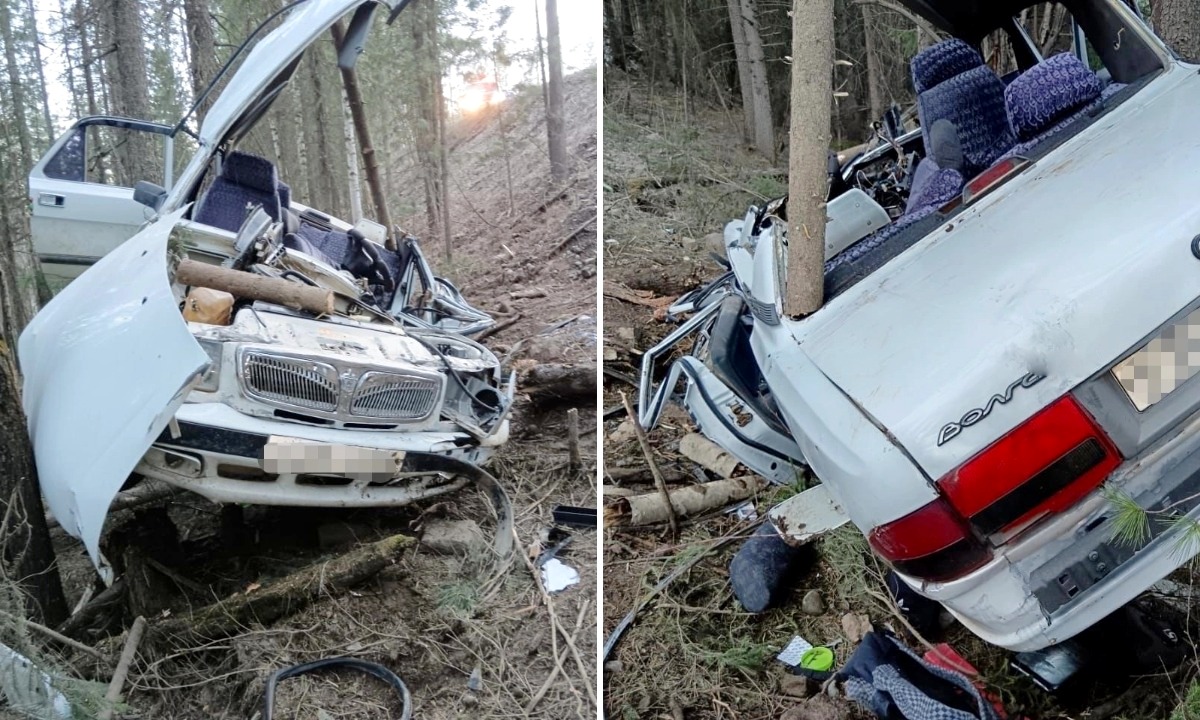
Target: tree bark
[
  {"x": 39, "y": 66},
  {"x": 874, "y": 84},
  {"x": 28, "y": 554},
  {"x": 812, "y": 95},
  {"x": 202, "y": 47},
  {"x": 760, "y": 91},
  {"x": 363, "y": 132},
  {"x": 85, "y": 51},
  {"x": 1178, "y": 23},
  {"x": 16, "y": 87},
  {"x": 555, "y": 130},
  {"x": 126, "y": 72},
  {"x": 745, "y": 81}
]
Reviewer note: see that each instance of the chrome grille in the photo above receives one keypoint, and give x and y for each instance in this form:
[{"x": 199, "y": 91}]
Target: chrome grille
[
  {"x": 291, "y": 381},
  {"x": 395, "y": 397}
]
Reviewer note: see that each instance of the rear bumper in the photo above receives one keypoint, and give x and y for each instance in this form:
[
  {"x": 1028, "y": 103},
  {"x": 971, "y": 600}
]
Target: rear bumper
[
  {"x": 220, "y": 454},
  {"x": 1070, "y": 573}
]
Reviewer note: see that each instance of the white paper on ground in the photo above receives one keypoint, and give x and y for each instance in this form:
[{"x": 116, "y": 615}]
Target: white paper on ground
[{"x": 558, "y": 576}]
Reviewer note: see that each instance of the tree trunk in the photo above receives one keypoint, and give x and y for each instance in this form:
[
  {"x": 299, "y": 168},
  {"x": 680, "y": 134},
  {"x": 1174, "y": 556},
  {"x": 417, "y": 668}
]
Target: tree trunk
[
  {"x": 745, "y": 82},
  {"x": 812, "y": 95},
  {"x": 41, "y": 71},
  {"x": 613, "y": 35},
  {"x": 760, "y": 91},
  {"x": 126, "y": 73},
  {"x": 1178, "y": 23},
  {"x": 85, "y": 50},
  {"x": 363, "y": 132},
  {"x": 16, "y": 87},
  {"x": 202, "y": 48},
  {"x": 874, "y": 85},
  {"x": 439, "y": 108},
  {"x": 28, "y": 555},
  {"x": 354, "y": 182},
  {"x": 555, "y": 130}
]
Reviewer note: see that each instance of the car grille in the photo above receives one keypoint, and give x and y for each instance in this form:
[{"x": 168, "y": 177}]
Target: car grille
[
  {"x": 291, "y": 381},
  {"x": 394, "y": 397}
]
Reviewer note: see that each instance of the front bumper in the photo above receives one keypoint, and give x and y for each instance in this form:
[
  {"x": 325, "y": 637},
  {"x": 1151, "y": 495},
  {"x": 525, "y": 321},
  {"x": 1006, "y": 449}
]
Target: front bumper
[
  {"x": 219, "y": 453},
  {"x": 1070, "y": 573}
]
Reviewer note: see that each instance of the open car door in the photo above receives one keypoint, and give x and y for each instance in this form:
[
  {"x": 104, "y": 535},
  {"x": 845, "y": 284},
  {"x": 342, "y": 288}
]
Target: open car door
[{"x": 82, "y": 191}]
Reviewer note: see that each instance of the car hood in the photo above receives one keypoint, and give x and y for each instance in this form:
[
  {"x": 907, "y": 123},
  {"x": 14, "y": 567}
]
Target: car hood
[
  {"x": 106, "y": 364},
  {"x": 309, "y": 22},
  {"x": 1058, "y": 273}
]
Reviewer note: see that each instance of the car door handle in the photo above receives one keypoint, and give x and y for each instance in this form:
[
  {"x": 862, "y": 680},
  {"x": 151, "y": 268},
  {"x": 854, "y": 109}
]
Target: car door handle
[{"x": 51, "y": 200}]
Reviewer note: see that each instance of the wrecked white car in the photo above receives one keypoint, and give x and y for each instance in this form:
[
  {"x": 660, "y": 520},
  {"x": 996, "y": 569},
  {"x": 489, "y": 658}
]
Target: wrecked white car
[
  {"x": 240, "y": 345},
  {"x": 1006, "y": 330}
]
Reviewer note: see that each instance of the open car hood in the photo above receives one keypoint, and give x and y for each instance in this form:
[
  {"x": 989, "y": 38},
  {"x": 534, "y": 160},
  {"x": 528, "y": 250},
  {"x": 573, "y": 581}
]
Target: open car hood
[
  {"x": 255, "y": 84},
  {"x": 106, "y": 364}
]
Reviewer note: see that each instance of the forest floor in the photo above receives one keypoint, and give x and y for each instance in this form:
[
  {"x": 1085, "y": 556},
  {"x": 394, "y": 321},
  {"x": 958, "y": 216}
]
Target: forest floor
[
  {"x": 436, "y": 616},
  {"x": 672, "y": 179}
]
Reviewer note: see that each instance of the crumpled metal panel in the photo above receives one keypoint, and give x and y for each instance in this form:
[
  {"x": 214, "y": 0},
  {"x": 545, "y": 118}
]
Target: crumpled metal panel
[{"x": 106, "y": 364}]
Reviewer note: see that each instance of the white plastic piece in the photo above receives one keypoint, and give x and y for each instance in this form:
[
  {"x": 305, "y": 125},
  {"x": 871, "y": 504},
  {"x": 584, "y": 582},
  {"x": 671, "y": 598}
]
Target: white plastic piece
[
  {"x": 853, "y": 215},
  {"x": 372, "y": 231},
  {"x": 558, "y": 576},
  {"x": 29, "y": 690},
  {"x": 806, "y": 516}
]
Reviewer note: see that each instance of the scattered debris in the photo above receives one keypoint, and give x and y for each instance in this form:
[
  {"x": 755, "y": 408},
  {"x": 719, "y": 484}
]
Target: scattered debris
[
  {"x": 558, "y": 576},
  {"x": 623, "y": 434},
  {"x": 651, "y": 509},
  {"x": 574, "y": 516},
  {"x": 793, "y": 651},
  {"x": 762, "y": 571},
  {"x": 708, "y": 454},
  {"x": 29, "y": 690},
  {"x": 117, "y": 684},
  {"x": 374, "y": 669}
]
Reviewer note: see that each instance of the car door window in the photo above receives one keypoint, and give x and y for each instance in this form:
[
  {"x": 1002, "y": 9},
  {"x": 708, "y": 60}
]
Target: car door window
[{"x": 110, "y": 155}]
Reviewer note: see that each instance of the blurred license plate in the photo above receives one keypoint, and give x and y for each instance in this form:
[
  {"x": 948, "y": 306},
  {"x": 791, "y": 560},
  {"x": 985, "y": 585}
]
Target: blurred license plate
[{"x": 1169, "y": 360}]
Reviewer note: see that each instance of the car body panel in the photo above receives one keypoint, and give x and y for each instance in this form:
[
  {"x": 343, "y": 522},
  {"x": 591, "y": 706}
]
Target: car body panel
[
  {"x": 962, "y": 314},
  {"x": 105, "y": 366}
]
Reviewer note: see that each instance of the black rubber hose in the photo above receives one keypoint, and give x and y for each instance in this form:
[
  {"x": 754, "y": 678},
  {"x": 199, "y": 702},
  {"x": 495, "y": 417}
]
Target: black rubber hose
[{"x": 370, "y": 668}]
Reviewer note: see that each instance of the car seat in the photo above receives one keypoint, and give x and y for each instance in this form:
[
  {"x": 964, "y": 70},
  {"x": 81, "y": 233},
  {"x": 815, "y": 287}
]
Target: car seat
[
  {"x": 245, "y": 180},
  {"x": 1048, "y": 98}
]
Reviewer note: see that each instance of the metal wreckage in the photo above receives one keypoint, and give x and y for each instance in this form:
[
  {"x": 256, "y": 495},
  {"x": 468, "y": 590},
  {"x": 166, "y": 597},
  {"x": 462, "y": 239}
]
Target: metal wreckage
[
  {"x": 1011, "y": 293},
  {"x": 240, "y": 344}
]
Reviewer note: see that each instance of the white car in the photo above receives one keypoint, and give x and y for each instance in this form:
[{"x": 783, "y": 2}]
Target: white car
[
  {"x": 994, "y": 350},
  {"x": 381, "y": 402}
]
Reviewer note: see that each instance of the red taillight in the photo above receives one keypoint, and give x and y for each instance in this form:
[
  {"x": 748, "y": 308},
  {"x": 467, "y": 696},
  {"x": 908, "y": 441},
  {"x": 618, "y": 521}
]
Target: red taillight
[
  {"x": 1043, "y": 466},
  {"x": 932, "y": 543},
  {"x": 993, "y": 178}
]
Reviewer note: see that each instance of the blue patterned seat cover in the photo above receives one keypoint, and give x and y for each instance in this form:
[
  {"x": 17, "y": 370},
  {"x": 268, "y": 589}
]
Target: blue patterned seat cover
[
  {"x": 245, "y": 180},
  {"x": 1050, "y": 97},
  {"x": 954, "y": 84}
]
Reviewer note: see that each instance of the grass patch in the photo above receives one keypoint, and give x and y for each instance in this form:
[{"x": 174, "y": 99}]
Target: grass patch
[{"x": 458, "y": 598}]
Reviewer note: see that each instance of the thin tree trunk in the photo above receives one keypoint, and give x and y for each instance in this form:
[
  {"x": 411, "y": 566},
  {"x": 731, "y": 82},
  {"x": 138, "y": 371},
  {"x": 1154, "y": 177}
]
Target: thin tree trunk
[
  {"x": 353, "y": 180},
  {"x": 874, "y": 85},
  {"x": 439, "y": 107},
  {"x": 812, "y": 94},
  {"x": 126, "y": 63},
  {"x": 541, "y": 53},
  {"x": 760, "y": 91},
  {"x": 555, "y": 130},
  {"x": 202, "y": 48},
  {"x": 363, "y": 132},
  {"x": 743, "y": 65},
  {"x": 41, "y": 71},
  {"x": 16, "y": 87},
  {"x": 85, "y": 50}
]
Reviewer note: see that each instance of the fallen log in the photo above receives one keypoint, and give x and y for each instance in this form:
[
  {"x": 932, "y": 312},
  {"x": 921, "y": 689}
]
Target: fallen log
[
  {"x": 284, "y": 596},
  {"x": 708, "y": 454},
  {"x": 552, "y": 381},
  {"x": 255, "y": 287},
  {"x": 652, "y": 509}
]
